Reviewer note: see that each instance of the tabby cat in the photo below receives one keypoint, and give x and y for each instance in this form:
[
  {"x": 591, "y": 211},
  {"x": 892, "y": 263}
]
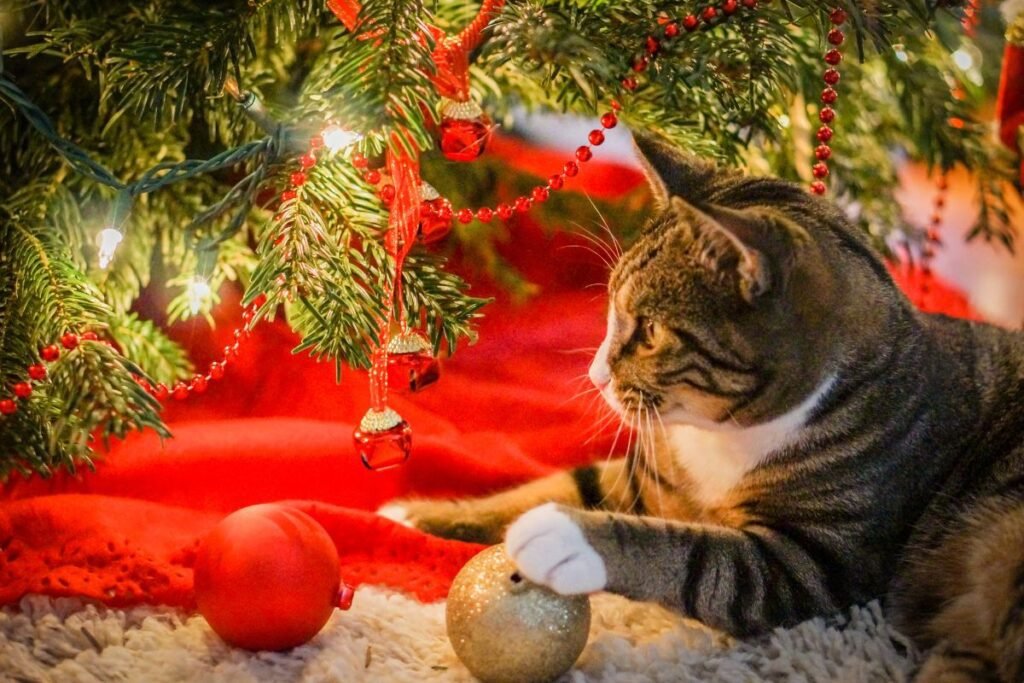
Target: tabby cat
[{"x": 817, "y": 442}]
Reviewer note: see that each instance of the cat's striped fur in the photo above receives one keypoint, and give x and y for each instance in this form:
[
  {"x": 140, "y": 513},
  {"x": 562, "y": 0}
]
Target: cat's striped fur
[{"x": 902, "y": 477}]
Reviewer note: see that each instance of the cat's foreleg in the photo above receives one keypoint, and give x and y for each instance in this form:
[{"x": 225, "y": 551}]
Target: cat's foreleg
[
  {"x": 606, "y": 486},
  {"x": 742, "y": 581}
]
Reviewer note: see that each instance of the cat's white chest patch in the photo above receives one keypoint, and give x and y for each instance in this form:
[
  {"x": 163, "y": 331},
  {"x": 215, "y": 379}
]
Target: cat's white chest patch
[{"x": 717, "y": 459}]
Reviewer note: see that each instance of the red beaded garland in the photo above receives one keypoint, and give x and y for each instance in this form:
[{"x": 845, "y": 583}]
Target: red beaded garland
[
  {"x": 504, "y": 211},
  {"x": 827, "y": 115},
  {"x": 307, "y": 161},
  {"x": 465, "y": 215},
  {"x": 730, "y": 6},
  {"x": 609, "y": 120},
  {"x": 316, "y": 142},
  {"x": 37, "y": 371},
  {"x": 833, "y": 57},
  {"x": 372, "y": 176},
  {"x": 8, "y": 407},
  {"x": 629, "y": 83},
  {"x": 69, "y": 341},
  {"x": 570, "y": 169},
  {"x": 556, "y": 181},
  {"x": 831, "y": 76},
  {"x": 523, "y": 204},
  {"x": 824, "y": 134},
  {"x": 49, "y": 353},
  {"x": 671, "y": 29},
  {"x": 820, "y": 170},
  {"x": 289, "y": 195},
  {"x": 818, "y": 187},
  {"x": 829, "y": 95},
  {"x": 539, "y": 194},
  {"x": 709, "y": 14},
  {"x": 22, "y": 389},
  {"x": 90, "y": 336},
  {"x": 198, "y": 384},
  {"x": 484, "y": 214},
  {"x": 822, "y": 152},
  {"x": 583, "y": 153},
  {"x": 836, "y": 37},
  {"x": 652, "y": 46},
  {"x": 596, "y": 138},
  {"x": 298, "y": 179},
  {"x": 360, "y": 161},
  {"x": 180, "y": 392},
  {"x": 690, "y": 22},
  {"x": 837, "y": 16},
  {"x": 217, "y": 371}
]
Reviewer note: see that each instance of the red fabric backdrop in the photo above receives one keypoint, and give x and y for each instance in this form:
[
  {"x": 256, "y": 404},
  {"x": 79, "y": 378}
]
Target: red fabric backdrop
[{"x": 278, "y": 428}]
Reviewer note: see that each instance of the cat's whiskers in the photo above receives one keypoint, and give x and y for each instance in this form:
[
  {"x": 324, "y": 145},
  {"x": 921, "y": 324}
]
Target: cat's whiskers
[
  {"x": 611, "y": 251},
  {"x": 603, "y": 222},
  {"x": 608, "y": 459},
  {"x": 607, "y": 260}
]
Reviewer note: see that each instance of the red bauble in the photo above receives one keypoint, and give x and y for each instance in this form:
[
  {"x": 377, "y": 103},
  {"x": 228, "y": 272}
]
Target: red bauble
[
  {"x": 464, "y": 130},
  {"x": 383, "y": 439},
  {"x": 266, "y": 578}
]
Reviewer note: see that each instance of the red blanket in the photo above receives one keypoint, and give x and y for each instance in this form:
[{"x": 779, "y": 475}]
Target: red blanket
[{"x": 278, "y": 428}]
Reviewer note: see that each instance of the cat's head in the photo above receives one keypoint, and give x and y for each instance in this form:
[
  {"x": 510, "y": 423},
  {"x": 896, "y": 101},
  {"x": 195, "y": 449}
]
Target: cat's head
[{"x": 738, "y": 300}]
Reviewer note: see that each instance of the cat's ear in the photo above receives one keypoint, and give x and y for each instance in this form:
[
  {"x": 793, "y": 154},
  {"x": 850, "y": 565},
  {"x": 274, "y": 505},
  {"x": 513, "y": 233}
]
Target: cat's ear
[
  {"x": 765, "y": 244},
  {"x": 671, "y": 172}
]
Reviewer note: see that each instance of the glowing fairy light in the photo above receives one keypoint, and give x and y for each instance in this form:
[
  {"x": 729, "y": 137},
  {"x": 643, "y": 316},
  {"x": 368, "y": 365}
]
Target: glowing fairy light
[
  {"x": 107, "y": 241},
  {"x": 963, "y": 59},
  {"x": 198, "y": 292},
  {"x": 784, "y": 121},
  {"x": 337, "y": 138}
]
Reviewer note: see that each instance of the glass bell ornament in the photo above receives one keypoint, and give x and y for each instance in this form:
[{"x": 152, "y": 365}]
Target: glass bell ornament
[
  {"x": 411, "y": 362},
  {"x": 464, "y": 130},
  {"x": 383, "y": 439},
  {"x": 435, "y": 215}
]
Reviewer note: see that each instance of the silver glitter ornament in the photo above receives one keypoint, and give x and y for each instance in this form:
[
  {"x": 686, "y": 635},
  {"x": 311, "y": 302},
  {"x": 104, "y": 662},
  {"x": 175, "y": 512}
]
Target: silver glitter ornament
[{"x": 506, "y": 629}]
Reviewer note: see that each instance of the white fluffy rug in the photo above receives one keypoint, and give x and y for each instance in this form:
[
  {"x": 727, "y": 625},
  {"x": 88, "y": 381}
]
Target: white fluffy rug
[{"x": 389, "y": 637}]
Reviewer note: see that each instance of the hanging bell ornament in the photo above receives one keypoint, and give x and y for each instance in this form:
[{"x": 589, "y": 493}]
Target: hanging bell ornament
[
  {"x": 383, "y": 439},
  {"x": 464, "y": 130},
  {"x": 435, "y": 214},
  {"x": 411, "y": 362}
]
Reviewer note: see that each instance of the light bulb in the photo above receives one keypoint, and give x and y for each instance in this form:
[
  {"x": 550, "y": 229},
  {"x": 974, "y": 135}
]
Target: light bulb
[
  {"x": 107, "y": 240},
  {"x": 198, "y": 291},
  {"x": 336, "y": 138},
  {"x": 963, "y": 59}
]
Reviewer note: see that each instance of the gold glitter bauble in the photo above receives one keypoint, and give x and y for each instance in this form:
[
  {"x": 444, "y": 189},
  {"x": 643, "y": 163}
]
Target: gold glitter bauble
[{"x": 508, "y": 630}]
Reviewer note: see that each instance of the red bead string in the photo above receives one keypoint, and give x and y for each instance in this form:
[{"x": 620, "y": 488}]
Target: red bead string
[
  {"x": 197, "y": 384},
  {"x": 827, "y": 114}
]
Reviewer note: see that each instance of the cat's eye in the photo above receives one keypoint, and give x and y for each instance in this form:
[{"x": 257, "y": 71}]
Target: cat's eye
[{"x": 647, "y": 331}]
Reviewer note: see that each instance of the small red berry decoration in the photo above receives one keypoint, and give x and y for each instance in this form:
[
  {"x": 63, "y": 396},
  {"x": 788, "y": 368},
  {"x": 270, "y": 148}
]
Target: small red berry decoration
[
  {"x": 22, "y": 389},
  {"x": 69, "y": 341},
  {"x": 464, "y": 130},
  {"x": 37, "y": 371},
  {"x": 267, "y": 578},
  {"x": 8, "y": 407},
  {"x": 49, "y": 353}
]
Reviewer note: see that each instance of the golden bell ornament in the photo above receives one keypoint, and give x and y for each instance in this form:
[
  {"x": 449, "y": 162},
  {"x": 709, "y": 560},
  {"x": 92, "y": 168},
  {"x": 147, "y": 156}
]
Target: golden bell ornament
[{"x": 506, "y": 629}]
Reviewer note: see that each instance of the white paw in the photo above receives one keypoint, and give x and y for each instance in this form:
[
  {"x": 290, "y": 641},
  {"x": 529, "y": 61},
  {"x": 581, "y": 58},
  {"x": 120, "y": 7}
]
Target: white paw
[
  {"x": 396, "y": 513},
  {"x": 550, "y": 549}
]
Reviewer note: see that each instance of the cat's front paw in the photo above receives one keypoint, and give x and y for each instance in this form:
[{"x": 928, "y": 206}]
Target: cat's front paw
[{"x": 549, "y": 548}]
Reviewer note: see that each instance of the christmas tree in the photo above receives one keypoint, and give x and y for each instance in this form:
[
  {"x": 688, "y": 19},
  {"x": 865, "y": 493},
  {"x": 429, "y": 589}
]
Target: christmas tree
[{"x": 282, "y": 143}]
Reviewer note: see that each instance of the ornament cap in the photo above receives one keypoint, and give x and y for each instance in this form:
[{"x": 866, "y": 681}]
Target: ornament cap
[
  {"x": 376, "y": 421},
  {"x": 466, "y": 110},
  {"x": 428, "y": 192},
  {"x": 408, "y": 342}
]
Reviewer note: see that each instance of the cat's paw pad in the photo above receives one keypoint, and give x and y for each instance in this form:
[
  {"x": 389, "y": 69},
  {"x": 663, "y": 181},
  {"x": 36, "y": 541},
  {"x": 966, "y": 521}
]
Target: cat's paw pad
[
  {"x": 396, "y": 513},
  {"x": 549, "y": 548}
]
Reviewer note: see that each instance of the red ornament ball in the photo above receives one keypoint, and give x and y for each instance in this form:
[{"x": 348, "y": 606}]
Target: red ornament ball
[
  {"x": 435, "y": 219},
  {"x": 266, "y": 578},
  {"x": 464, "y": 139}
]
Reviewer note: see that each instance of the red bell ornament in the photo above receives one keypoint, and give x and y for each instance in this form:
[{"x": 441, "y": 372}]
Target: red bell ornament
[
  {"x": 435, "y": 215},
  {"x": 464, "y": 130},
  {"x": 411, "y": 363},
  {"x": 383, "y": 439}
]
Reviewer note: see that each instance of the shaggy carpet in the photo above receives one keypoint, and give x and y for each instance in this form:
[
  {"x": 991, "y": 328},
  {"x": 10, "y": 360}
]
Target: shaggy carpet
[{"x": 389, "y": 637}]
